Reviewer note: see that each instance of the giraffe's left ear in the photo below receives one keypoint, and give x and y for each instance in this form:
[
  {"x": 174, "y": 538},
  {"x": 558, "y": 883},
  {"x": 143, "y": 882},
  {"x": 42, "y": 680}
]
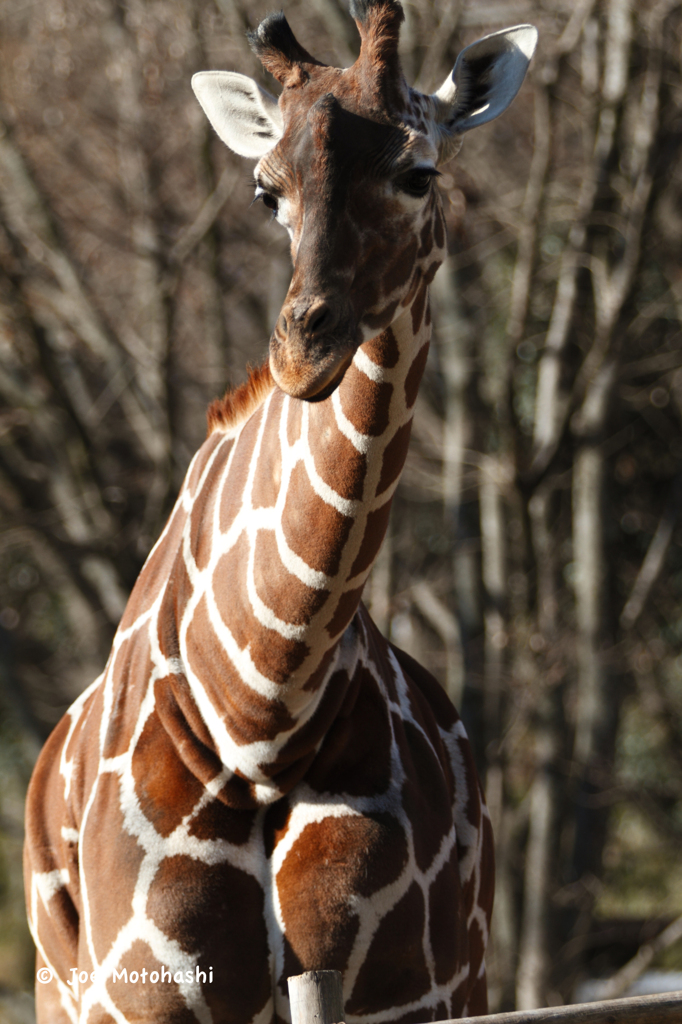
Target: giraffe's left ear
[
  {"x": 485, "y": 79},
  {"x": 246, "y": 117}
]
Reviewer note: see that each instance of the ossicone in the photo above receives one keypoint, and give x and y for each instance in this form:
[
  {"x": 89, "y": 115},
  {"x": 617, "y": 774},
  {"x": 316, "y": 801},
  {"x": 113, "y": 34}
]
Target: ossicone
[
  {"x": 378, "y": 23},
  {"x": 378, "y": 18},
  {"x": 280, "y": 52}
]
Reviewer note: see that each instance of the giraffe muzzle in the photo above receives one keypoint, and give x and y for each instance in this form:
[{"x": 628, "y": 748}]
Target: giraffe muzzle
[{"x": 312, "y": 345}]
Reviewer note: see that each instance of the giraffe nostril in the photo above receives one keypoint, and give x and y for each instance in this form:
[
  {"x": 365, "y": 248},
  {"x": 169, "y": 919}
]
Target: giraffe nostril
[
  {"x": 320, "y": 320},
  {"x": 308, "y": 319}
]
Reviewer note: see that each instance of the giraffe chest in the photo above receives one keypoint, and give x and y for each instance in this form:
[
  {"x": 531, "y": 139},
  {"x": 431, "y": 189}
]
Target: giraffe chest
[
  {"x": 360, "y": 867},
  {"x": 231, "y": 903}
]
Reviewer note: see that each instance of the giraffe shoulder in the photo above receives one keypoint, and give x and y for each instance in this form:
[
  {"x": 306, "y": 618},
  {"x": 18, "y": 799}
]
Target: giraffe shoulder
[{"x": 426, "y": 690}]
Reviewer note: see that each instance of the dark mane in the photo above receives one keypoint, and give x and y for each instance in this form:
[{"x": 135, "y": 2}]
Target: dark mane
[{"x": 238, "y": 404}]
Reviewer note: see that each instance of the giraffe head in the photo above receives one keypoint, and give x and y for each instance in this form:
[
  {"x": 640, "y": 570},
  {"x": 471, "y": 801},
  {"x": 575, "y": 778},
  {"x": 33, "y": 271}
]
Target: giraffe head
[{"x": 347, "y": 162}]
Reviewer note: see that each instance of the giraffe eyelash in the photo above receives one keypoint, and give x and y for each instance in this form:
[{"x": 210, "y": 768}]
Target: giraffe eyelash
[
  {"x": 417, "y": 181},
  {"x": 270, "y": 201}
]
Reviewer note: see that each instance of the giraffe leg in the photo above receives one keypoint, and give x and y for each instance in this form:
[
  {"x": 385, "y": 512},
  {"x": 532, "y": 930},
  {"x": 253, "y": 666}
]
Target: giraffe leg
[
  {"x": 52, "y": 1004},
  {"x": 51, "y": 884}
]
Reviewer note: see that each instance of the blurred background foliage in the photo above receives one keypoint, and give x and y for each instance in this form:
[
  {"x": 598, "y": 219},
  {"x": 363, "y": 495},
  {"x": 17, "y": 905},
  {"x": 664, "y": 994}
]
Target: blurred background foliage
[{"x": 534, "y": 556}]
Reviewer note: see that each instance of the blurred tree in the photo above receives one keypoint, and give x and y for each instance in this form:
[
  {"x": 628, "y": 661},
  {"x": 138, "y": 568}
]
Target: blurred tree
[{"x": 534, "y": 560}]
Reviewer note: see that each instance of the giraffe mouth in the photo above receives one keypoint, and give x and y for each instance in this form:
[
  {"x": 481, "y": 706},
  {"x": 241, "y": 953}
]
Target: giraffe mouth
[
  {"x": 312, "y": 345},
  {"x": 311, "y": 380},
  {"x": 330, "y": 388}
]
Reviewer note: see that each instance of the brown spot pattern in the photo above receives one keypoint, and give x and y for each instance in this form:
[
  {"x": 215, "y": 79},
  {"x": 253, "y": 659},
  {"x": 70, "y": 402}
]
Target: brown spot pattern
[
  {"x": 345, "y": 610},
  {"x": 239, "y": 469},
  {"x": 394, "y": 457},
  {"x": 315, "y": 531},
  {"x": 120, "y": 858},
  {"x": 395, "y": 970},
  {"x": 383, "y": 350},
  {"x": 212, "y": 897},
  {"x": 155, "y": 571},
  {"x": 447, "y": 926},
  {"x": 417, "y": 314},
  {"x": 355, "y": 755},
  {"x": 165, "y": 792},
  {"x": 216, "y": 821},
  {"x": 361, "y": 777},
  {"x": 294, "y": 602},
  {"x": 425, "y": 784},
  {"x": 266, "y": 484},
  {"x": 375, "y": 531},
  {"x": 178, "y": 592},
  {"x": 365, "y": 402},
  {"x": 133, "y": 666},
  {"x": 313, "y": 887},
  {"x": 247, "y": 714},
  {"x": 330, "y": 449},
  {"x": 201, "y": 524}
]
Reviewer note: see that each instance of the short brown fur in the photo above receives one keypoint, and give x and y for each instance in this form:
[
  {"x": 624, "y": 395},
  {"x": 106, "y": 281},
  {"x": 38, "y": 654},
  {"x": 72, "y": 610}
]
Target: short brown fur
[
  {"x": 271, "y": 796},
  {"x": 237, "y": 404}
]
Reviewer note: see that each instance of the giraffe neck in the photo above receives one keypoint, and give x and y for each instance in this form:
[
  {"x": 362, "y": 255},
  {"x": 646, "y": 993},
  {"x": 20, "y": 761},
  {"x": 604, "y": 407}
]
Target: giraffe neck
[
  {"x": 285, "y": 522},
  {"x": 356, "y": 444}
]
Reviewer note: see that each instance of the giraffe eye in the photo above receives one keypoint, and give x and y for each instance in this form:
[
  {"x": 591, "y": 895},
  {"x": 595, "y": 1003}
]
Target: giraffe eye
[
  {"x": 267, "y": 198},
  {"x": 417, "y": 181}
]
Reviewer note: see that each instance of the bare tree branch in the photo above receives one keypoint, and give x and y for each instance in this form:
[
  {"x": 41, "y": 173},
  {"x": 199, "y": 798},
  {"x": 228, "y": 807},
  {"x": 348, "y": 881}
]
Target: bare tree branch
[
  {"x": 653, "y": 560},
  {"x": 619, "y": 983}
]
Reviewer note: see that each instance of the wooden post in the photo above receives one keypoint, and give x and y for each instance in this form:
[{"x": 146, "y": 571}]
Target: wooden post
[{"x": 316, "y": 998}]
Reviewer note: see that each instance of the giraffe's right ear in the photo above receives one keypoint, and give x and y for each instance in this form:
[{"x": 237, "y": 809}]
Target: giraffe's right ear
[{"x": 246, "y": 117}]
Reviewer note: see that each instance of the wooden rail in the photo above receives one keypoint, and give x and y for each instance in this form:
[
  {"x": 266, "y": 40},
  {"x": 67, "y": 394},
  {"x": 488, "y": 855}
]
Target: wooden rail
[
  {"x": 316, "y": 999},
  {"x": 663, "y": 1009}
]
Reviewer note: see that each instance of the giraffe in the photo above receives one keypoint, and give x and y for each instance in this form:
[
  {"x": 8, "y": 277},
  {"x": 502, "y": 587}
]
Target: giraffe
[{"x": 259, "y": 783}]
